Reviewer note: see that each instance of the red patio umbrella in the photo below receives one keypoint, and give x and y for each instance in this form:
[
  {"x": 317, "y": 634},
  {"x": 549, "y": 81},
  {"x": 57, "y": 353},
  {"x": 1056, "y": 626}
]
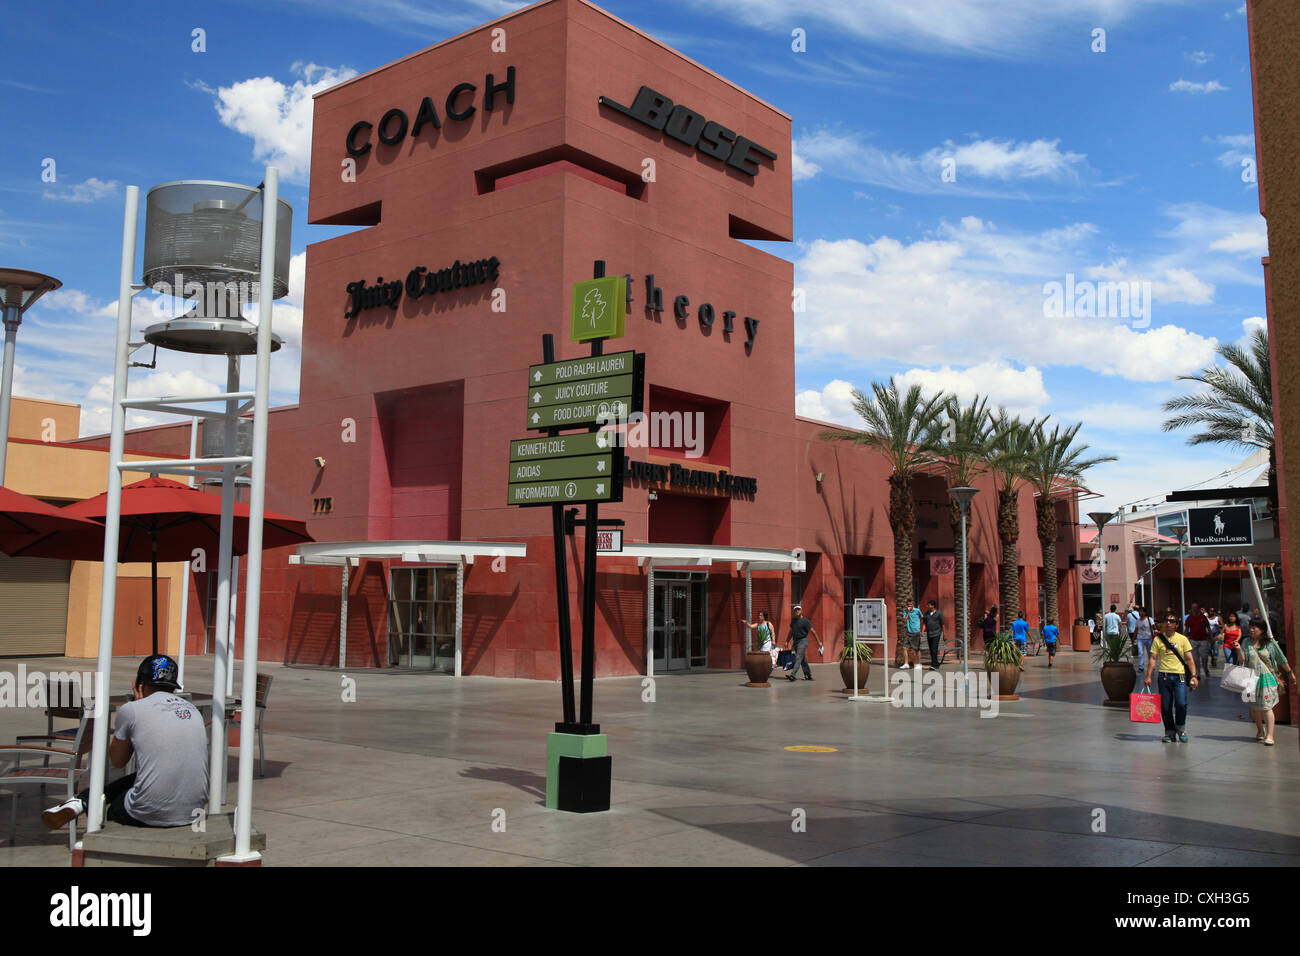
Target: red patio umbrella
[
  {"x": 24, "y": 520},
  {"x": 162, "y": 520}
]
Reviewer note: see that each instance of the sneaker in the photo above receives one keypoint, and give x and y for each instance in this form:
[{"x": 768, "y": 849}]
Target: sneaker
[
  {"x": 905, "y": 667},
  {"x": 808, "y": 677},
  {"x": 1182, "y": 737},
  {"x": 56, "y": 817},
  {"x": 1167, "y": 739},
  {"x": 789, "y": 677},
  {"x": 1268, "y": 741}
]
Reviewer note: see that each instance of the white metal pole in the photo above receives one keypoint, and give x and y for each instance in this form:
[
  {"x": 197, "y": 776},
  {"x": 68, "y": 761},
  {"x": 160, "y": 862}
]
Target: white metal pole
[
  {"x": 460, "y": 610},
  {"x": 1182, "y": 587},
  {"x": 13, "y": 317},
  {"x": 256, "y": 511},
  {"x": 234, "y": 623},
  {"x": 217, "y": 746},
  {"x": 343, "y": 616},
  {"x": 1259, "y": 601},
  {"x": 113, "y": 511},
  {"x": 650, "y": 621},
  {"x": 185, "y": 574}
]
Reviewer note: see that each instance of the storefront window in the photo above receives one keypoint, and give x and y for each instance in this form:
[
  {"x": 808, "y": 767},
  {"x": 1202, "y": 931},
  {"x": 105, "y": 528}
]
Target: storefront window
[{"x": 854, "y": 588}]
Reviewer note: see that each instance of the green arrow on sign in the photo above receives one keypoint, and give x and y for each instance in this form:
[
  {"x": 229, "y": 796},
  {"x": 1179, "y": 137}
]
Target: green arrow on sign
[
  {"x": 572, "y": 370},
  {"x": 550, "y": 469},
  {"x": 560, "y": 446},
  {"x": 561, "y": 492},
  {"x": 576, "y": 415},
  {"x": 591, "y": 389}
]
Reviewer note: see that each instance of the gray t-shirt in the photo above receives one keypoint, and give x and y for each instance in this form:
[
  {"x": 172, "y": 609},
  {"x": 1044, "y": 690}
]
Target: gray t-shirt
[{"x": 171, "y": 759}]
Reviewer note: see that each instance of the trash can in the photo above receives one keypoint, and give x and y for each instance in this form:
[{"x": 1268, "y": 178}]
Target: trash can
[{"x": 1082, "y": 637}]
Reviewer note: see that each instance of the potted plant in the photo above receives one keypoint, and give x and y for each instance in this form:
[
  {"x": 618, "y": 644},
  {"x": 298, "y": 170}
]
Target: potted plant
[
  {"x": 1002, "y": 657},
  {"x": 855, "y": 659},
  {"x": 758, "y": 665},
  {"x": 1118, "y": 674}
]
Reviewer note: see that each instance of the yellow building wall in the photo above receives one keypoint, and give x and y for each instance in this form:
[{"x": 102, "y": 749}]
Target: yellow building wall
[{"x": 43, "y": 421}]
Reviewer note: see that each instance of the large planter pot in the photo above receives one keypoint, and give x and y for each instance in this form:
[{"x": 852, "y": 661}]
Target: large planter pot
[
  {"x": 1081, "y": 637},
  {"x": 1117, "y": 679},
  {"x": 1008, "y": 678},
  {"x": 758, "y": 665},
  {"x": 846, "y": 674}
]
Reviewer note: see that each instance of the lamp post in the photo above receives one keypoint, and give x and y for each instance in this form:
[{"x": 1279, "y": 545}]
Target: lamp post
[
  {"x": 1149, "y": 551},
  {"x": 20, "y": 289},
  {"x": 1181, "y": 531},
  {"x": 1099, "y": 518},
  {"x": 963, "y": 498}
]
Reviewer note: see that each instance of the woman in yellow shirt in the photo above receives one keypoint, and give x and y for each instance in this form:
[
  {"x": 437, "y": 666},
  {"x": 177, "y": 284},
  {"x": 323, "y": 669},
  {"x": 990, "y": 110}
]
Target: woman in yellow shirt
[{"x": 1172, "y": 653}]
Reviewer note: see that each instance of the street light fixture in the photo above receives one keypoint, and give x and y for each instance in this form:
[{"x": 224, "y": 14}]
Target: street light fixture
[
  {"x": 1099, "y": 518},
  {"x": 963, "y": 497},
  {"x": 19, "y": 289}
]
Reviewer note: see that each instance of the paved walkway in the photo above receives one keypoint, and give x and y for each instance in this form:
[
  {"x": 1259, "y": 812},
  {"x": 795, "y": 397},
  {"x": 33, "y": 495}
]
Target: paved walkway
[{"x": 418, "y": 769}]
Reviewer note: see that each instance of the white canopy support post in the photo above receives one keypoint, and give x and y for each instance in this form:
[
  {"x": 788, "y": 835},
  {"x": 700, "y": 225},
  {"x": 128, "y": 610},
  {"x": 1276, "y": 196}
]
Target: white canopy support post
[
  {"x": 185, "y": 575},
  {"x": 650, "y": 620},
  {"x": 343, "y": 617},
  {"x": 460, "y": 610},
  {"x": 256, "y": 515},
  {"x": 749, "y": 608},
  {"x": 222, "y": 611},
  {"x": 112, "y": 511},
  {"x": 234, "y": 626}
]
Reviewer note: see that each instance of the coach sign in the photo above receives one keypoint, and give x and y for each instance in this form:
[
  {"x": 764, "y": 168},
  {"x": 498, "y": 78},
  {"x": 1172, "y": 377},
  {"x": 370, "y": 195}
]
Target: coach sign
[{"x": 1221, "y": 527}]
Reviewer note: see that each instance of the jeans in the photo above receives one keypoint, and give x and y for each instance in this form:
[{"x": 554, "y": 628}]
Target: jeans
[
  {"x": 1229, "y": 655},
  {"x": 1144, "y": 652},
  {"x": 1173, "y": 702},
  {"x": 1201, "y": 654},
  {"x": 801, "y": 657}
]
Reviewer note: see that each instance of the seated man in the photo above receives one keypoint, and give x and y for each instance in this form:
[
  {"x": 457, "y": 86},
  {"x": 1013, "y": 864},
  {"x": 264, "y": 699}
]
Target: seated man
[{"x": 166, "y": 735}]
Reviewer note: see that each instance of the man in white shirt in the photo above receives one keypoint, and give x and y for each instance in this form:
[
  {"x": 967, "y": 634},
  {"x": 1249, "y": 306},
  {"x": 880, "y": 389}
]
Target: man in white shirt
[{"x": 1110, "y": 623}]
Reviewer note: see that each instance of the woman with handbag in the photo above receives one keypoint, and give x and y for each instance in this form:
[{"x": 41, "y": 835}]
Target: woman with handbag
[{"x": 1263, "y": 656}]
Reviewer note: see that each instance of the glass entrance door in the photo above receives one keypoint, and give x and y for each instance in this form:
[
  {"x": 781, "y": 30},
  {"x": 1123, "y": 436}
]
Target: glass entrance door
[
  {"x": 422, "y": 618},
  {"x": 680, "y": 637}
]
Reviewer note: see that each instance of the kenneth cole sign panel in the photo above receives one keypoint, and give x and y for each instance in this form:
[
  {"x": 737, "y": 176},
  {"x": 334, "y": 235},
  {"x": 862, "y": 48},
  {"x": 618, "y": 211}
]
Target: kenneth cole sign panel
[{"x": 1221, "y": 527}]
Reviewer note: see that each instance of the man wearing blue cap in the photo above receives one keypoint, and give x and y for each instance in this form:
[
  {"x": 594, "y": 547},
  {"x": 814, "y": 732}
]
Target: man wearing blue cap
[{"x": 166, "y": 736}]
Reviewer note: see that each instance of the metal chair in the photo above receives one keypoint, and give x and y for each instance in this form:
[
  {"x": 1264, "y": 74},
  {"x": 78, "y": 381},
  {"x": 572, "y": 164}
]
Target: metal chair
[
  {"x": 235, "y": 710},
  {"x": 60, "y": 766}
]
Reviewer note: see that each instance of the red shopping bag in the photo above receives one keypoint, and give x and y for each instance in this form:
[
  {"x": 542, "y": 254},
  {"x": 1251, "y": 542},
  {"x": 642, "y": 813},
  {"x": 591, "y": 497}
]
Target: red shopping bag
[{"x": 1144, "y": 708}]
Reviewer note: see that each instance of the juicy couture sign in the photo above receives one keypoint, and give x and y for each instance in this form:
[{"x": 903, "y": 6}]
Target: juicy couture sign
[{"x": 420, "y": 281}]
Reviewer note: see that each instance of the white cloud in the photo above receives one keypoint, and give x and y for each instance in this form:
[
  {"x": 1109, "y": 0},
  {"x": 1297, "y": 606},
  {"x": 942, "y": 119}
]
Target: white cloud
[
  {"x": 92, "y": 190},
  {"x": 1187, "y": 86},
  {"x": 988, "y": 161},
  {"x": 1199, "y": 57},
  {"x": 834, "y": 403},
  {"x": 929, "y": 303},
  {"x": 278, "y": 117},
  {"x": 800, "y": 167},
  {"x": 1021, "y": 391}
]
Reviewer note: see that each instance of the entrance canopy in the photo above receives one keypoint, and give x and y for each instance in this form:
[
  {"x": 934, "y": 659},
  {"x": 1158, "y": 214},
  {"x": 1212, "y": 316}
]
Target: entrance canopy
[
  {"x": 651, "y": 556},
  {"x": 349, "y": 554}
]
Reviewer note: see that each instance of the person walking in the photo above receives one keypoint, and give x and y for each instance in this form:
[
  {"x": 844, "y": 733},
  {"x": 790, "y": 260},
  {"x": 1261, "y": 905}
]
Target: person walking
[
  {"x": 1050, "y": 634},
  {"x": 990, "y": 625},
  {"x": 1131, "y": 619},
  {"x": 1020, "y": 634},
  {"x": 1110, "y": 623},
  {"x": 933, "y": 633},
  {"x": 1143, "y": 637},
  {"x": 1177, "y": 671},
  {"x": 1197, "y": 629},
  {"x": 1243, "y": 618},
  {"x": 800, "y": 629},
  {"x": 1262, "y": 655},
  {"x": 1216, "y": 634},
  {"x": 912, "y": 636},
  {"x": 763, "y": 634},
  {"x": 1231, "y": 638}
]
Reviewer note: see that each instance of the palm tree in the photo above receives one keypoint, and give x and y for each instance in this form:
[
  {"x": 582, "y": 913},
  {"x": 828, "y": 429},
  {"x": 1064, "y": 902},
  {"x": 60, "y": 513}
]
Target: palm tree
[
  {"x": 1236, "y": 409},
  {"x": 963, "y": 441},
  {"x": 1013, "y": 442},
  {"x": 1054, "y": 459},
  {"x": 900, "y": 427}
]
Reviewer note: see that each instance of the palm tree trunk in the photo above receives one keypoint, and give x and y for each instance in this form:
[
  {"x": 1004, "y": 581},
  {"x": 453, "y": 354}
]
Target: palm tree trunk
[
  {"x": 960, "y": 611},
  {"x": 1009, "y": 533},
  {"x": 1047, "y": 540},
  {"x": 902, "y": 519}
]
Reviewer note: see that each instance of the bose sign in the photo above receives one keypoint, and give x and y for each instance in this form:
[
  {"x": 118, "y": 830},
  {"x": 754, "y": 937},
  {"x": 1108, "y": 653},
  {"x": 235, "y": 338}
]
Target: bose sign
[{"x": 687, "y": 126}]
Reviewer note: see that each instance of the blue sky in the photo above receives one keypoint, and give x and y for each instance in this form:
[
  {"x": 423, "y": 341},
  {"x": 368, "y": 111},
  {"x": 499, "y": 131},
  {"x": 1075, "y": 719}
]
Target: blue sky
[{"x": 952, "y": 159}]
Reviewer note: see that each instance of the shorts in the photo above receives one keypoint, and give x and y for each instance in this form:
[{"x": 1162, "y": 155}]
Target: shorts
[
  {"x": 1050, "y": 646},
  {"x": 1022, "y": 645},
  {"x": 912, "y": 640}
]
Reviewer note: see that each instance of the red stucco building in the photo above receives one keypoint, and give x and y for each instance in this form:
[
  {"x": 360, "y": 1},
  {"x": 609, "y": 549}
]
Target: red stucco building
[{"x": 488, "y": 177}]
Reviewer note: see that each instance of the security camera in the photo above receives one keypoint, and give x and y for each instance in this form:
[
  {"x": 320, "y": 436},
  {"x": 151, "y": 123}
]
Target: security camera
[{"x": 320, "y": 462}]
